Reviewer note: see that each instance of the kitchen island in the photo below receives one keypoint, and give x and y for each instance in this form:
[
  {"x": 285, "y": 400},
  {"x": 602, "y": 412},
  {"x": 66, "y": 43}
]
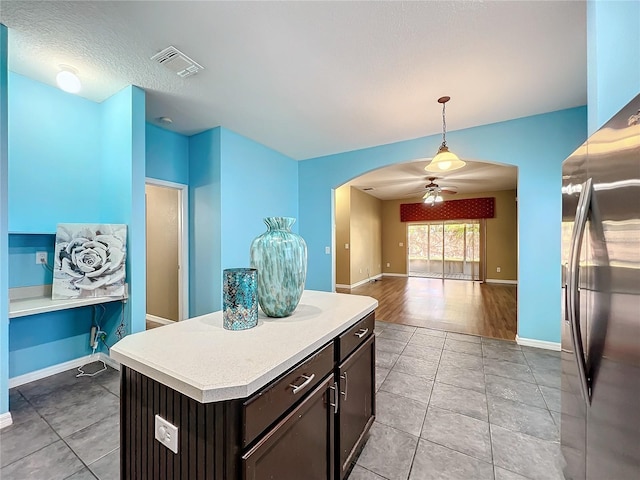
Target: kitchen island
[{"x": 291, "y": 398}]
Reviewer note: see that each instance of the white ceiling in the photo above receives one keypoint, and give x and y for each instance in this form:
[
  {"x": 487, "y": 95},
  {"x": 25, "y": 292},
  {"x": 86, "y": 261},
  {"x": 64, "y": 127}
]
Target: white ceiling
[{"x": 314, "y": 78}]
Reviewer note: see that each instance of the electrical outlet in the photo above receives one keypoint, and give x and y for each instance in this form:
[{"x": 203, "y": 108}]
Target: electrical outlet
[
  {"x": 41, "y": 257},
  {"x": 498, "y": 269},
  {"x": 166, "y": 434},
  {"x": 388, "y": 264},
  {"x": 327, "y": 250}
]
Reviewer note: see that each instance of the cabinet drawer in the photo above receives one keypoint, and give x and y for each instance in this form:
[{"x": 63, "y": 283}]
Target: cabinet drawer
[
  {"x": 271, "y": 403},
  {"x": 355, "y": 336}
]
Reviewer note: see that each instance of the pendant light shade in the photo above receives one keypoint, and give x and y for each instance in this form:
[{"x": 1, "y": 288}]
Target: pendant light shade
[{"x": 444, "y": 161}]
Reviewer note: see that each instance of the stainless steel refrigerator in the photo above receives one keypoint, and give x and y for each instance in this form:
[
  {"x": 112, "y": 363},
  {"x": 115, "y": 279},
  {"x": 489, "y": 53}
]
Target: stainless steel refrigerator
[{"x": 600, "y": 430}]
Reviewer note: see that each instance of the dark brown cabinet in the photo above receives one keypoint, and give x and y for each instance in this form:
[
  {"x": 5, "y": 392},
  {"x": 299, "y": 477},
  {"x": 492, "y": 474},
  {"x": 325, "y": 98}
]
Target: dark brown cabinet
[
  {"x": 309, "y": 423},
  {"x": 357, "y": 402},
  {"x": 301, "y": 445}
]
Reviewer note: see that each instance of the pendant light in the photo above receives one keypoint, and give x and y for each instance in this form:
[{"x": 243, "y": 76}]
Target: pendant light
[{"x": 444, "y": 160}]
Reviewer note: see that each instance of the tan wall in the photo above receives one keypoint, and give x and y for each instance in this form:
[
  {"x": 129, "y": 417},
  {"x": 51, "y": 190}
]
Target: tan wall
[
  {"x": 394, "y": 233},
  {"x": 162, "y": 252},
  {"x": 366, "y": 236},
  {"x": 501, "y": 239},
  {"x": 358, "y": 224},
  {"x": 343, "y": 257}
]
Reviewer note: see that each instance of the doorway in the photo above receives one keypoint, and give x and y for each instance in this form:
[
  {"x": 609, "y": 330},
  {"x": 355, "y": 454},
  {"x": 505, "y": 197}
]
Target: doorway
[
  {"x": 446, "y": 250},
  {"x": 167, "y": 255}
]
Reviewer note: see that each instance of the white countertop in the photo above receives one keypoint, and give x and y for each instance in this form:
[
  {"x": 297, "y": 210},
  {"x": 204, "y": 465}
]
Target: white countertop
[
  {"x": 202, "y": 360},
  {"x": 25, "y": 301}
]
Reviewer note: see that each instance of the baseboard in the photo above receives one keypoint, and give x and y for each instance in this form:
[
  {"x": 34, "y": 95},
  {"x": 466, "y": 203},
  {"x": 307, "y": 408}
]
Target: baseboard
[
  {"x": 109, "y": 361},
  {"x": 162, "y": 321},
  {"x": 62, "y": 367},
  {"x": 361, "y": 282},
  {"x": 366, "y": 280},
  {"x": 395, "y": 275},
  {"x": 5, "y": 420},
  {"x": 506, "y": 282},
  {"x": 530, "y": 342}
]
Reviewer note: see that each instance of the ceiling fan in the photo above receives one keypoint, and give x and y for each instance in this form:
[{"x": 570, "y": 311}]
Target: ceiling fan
[
  {"x": 434, "y": 186},
  {"x": 434, "y": 192}
]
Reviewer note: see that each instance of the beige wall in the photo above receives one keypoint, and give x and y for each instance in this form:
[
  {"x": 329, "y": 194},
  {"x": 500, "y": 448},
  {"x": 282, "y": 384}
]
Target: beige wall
[
  {"x": 501, "y": 239},
  {"x": 162, "y": 251},
  {"x": 343, "y": 257},
  {"x": 366, "y": 236},
  {"x": 358, "y": 224}
]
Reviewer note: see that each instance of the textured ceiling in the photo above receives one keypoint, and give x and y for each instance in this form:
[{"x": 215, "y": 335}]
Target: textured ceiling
[{"x": 314, "y": 78}]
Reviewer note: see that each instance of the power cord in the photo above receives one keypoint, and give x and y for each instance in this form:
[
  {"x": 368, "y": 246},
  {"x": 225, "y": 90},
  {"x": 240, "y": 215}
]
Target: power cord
[
  {"x": 97, "y": 335},
  {"x": 47, "y": 267}
]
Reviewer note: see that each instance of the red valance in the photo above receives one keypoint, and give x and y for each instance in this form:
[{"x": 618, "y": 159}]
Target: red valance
[{"x": 465, "y": 209}]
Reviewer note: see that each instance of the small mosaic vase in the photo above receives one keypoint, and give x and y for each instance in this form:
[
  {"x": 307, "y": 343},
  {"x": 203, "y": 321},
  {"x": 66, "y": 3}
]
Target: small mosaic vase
[
  {"x": 239, "y": 298},
  {"x": 281, "y": 258}
]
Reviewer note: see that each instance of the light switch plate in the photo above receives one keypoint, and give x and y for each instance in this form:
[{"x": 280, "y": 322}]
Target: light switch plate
[{"x": 166, "y": 434}]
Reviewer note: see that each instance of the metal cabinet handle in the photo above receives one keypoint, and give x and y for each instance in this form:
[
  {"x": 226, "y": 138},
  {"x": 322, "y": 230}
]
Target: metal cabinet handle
[
  {"x": 336, "y": 397},
  {"x": 573, "y": 295},
  {"x": 346, "y": 385},
  {"x": 362, "y": 332},
  {"x": 307, "y": 380}
]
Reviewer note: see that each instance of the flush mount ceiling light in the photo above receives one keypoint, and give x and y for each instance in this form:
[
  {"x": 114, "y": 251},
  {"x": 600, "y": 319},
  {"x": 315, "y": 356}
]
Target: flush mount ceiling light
[
  {"x": 444, "y": 161},
  {"x": 67, "y": 79}
]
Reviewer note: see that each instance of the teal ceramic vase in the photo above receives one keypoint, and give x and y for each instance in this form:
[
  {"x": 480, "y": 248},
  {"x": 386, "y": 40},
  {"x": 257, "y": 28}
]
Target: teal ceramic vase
[{"x": 281, "y": 260}]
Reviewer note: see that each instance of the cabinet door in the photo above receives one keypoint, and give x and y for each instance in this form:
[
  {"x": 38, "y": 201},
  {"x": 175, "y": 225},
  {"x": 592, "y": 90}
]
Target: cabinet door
[
  {"x": 357, "y": 402},
  {"x": 301, "y": 445}
]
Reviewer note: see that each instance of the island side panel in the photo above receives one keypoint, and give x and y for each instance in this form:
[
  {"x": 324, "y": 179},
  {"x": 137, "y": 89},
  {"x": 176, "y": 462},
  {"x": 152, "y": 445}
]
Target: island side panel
[{"x": 209, "y": 434}]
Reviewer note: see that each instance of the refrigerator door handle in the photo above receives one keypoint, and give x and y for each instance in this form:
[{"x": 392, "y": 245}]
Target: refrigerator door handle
[{"x": 582, "y": 214}]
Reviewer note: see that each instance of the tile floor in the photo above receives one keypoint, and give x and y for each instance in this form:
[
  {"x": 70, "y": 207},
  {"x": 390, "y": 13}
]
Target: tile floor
[
  {"x": 63, "y": 427},
  {"x": 452, "y": 406},
  {"x": 449, "y": 406}
]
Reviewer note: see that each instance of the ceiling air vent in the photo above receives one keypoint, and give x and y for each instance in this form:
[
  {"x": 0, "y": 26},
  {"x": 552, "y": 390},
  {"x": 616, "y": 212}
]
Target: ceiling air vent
[{"x": 177, "y": 62}]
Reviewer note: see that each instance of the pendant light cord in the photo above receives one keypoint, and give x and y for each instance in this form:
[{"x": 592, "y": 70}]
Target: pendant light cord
[{"x": 444, "y": 126}]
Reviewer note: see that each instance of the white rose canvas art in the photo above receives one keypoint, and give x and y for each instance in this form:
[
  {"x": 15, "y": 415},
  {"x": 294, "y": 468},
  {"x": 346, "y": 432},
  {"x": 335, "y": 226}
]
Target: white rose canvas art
[{"x": 89, "y": 260}]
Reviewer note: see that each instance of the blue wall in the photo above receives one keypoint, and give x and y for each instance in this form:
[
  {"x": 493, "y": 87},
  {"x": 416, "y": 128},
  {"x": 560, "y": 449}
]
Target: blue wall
[
  {"x": 54, "y": 149},
  {"x": 167, "y": 155},
  {"x": 123, "y": 184},
  {"x": 40, "y": 341},
  {"x": 257, "y": 182},
  {"x": 613, "y": 57},
  {"x": 99, "y": 177},
  {"x": 234, "y": 183},
  {"x": 4, "y": 240},
  {"x": 22, "y": 253},
  {"x": 204, "y": 222},
  {"x": 537, "y": 145}
]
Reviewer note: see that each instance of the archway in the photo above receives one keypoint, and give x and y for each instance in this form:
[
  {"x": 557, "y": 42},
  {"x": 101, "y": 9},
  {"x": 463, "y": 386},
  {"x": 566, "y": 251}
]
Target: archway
[
  {"x": 372, "y": 242},
  {"x": 536, "y": 145}
]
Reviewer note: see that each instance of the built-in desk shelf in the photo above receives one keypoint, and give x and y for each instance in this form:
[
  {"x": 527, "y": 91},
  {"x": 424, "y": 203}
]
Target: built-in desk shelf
[{"x": 33, "y": 300}]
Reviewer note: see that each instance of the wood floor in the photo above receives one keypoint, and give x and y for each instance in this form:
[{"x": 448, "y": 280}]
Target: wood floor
[{"x": 453, "y": 305}]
